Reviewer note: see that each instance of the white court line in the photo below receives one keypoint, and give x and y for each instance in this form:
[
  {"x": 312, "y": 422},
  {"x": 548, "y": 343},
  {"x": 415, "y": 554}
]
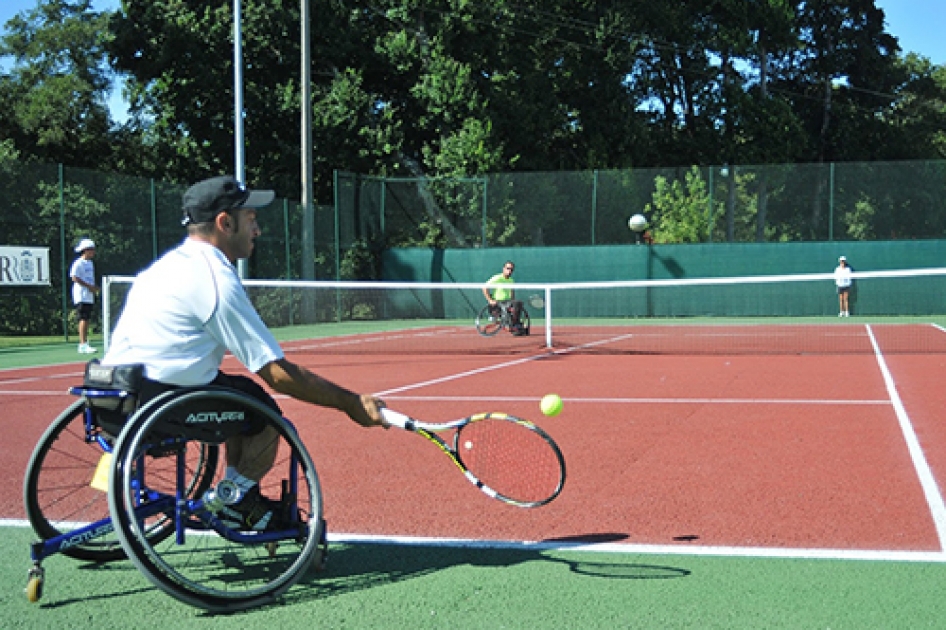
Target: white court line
[
  {"x": 633, "y": 548},
  {"x": 37, "y": 379},
  {"x": 655, "y": 401},
  {"x": 893, "y": 555},
  {"x": 498, "y": 366},
  {"x": 928, "y": 482},
  {"x": 35, "y": 392},
  {"x": 361, "y": 339}
]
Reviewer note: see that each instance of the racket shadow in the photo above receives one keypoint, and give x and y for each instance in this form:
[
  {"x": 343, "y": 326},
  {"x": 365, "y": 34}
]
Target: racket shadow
[
  {"x": 615, "y": 570},
  {"x": 361, "y": 566}
]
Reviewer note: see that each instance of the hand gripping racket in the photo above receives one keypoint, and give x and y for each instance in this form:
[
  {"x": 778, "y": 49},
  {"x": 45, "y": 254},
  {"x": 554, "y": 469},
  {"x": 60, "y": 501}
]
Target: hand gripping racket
[{"x": 508, "y": 458}]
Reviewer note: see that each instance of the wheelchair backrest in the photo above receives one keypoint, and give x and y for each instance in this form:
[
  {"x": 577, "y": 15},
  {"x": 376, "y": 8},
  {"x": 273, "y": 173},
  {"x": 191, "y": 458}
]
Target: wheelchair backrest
[{"x": 111, "y": 387}]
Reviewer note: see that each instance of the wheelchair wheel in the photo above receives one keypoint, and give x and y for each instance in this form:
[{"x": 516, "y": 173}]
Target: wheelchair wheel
[
  {"x": 206, "y": 564},
  {"x": 59, "y": 498},
  {"x": 489, "y": 323},
  {"x": 525, "y": 321}
]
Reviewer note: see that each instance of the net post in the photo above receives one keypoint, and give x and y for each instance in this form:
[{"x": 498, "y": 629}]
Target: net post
[{"x": 106, "y": 313}]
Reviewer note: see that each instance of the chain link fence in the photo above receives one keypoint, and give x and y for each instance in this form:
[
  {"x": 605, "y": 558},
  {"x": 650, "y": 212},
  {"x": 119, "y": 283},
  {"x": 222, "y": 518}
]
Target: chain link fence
[
  {"x": 767, "y": 203},
  {"x": 133, "y": 220}
]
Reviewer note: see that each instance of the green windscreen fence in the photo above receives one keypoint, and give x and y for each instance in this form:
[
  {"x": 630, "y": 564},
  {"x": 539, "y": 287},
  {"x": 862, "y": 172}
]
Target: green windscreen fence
[{"x": 655, "y": 262}]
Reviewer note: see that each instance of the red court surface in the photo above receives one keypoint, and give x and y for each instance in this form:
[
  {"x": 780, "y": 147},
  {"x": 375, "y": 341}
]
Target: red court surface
[{"x": 780, "y": 452}]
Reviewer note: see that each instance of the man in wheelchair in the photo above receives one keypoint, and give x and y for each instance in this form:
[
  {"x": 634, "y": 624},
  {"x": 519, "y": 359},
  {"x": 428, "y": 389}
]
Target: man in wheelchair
[
  {"x": 189, "y": 308},
  {"x": 501, "y": 296}
]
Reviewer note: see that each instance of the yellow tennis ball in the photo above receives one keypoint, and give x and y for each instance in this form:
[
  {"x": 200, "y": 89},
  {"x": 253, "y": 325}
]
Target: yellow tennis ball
[{"x": 551, "y": 404}]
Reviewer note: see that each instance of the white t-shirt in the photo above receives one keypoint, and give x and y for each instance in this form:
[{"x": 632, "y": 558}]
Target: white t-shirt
[
  {"x": 84, "y": 270},
  {"x": 183, "y": 313},
  {"x": 842, "y": 276}
]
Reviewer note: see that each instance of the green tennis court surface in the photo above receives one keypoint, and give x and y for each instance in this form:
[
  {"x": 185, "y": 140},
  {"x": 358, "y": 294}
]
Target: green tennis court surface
[{"x": 390, "y": 586}]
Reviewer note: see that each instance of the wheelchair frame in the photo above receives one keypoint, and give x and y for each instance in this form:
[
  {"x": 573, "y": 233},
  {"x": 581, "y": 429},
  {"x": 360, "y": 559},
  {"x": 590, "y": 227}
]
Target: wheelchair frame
[
  {"x": 488, "y": 325},
  {"x": 157, "y": 509}
]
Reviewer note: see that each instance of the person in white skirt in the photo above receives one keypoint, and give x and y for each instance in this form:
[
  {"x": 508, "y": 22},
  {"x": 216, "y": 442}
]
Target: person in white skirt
[{"x": 843, "y": 280}]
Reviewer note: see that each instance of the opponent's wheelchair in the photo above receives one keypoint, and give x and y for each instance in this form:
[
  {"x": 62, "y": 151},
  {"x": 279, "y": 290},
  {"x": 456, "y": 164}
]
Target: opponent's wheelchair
[
  {"x": 493, "y": 318},
  {"x": 110, "y": 479}
]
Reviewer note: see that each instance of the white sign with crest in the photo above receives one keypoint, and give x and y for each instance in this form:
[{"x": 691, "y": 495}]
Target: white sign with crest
[{"x": 24, "y": 266}]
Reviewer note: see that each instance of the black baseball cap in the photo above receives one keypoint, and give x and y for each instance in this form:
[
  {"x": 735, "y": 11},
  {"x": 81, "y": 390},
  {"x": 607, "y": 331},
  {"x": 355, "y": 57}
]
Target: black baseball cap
[{"x": 205, "y": 200}]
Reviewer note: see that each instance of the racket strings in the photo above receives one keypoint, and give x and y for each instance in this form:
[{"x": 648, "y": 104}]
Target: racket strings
[{"x": 512, "y": 459}]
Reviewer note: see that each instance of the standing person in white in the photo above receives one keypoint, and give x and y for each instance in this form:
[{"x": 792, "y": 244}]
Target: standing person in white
[
  {"x": 185, "y": 311},
  {"x": 843, "y": 280},
  {"x": 84, "y": 289}
]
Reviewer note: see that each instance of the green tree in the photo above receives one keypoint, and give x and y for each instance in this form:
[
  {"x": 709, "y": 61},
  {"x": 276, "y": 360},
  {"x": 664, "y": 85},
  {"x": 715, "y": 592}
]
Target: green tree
[{"x": 53, "y": 101}]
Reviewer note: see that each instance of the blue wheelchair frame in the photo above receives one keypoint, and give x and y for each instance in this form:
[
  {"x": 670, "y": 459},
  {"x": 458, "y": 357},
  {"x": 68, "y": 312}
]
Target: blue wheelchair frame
[{"x": 186, "y": 513}]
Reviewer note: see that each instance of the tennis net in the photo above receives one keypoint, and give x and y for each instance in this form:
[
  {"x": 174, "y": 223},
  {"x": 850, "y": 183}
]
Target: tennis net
[{"x": 899, "y": 311}]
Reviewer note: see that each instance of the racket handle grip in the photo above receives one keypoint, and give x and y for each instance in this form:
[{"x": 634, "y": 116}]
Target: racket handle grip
[{"x": 394, "y": 418}]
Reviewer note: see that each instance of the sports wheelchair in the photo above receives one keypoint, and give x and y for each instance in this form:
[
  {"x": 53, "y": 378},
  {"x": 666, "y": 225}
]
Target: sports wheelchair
[
  {"x": 491, "y": 319},
  {"x": 110, "y": 479}
]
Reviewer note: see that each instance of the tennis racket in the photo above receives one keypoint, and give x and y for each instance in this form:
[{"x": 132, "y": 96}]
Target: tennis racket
[
  {"x": 537, "y": 301},
  {"x": 508, "y": 458}
]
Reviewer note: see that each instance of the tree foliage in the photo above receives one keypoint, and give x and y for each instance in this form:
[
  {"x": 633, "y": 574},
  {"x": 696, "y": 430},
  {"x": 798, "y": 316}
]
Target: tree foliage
[{"x": 462, "y": 88}]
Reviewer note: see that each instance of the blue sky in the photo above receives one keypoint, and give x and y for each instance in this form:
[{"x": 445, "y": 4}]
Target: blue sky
[{"x": 917, "y": 24}]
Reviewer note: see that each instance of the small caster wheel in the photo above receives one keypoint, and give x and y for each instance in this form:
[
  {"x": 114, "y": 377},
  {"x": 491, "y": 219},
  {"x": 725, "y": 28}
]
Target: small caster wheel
[{"x": 34, "y": 586}]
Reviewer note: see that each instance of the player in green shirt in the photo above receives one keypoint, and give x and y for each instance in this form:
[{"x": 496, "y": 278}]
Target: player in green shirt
[{"x": 502, "y": 296}]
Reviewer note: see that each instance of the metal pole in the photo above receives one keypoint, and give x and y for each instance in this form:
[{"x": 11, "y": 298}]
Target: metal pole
[
  {"x": 485, "y": 211},
  {"x": 711, "y": 169},
  {"x": 66, "y": 281},
  {"x": 238, "y": 141},
  {"x": 383, "y": 199},
  {"x": 594, "y": 205},
  {"x": 154, "y": 222},
  {"x": 308, "y": 211},
  {"x": 831, "y": 201}
]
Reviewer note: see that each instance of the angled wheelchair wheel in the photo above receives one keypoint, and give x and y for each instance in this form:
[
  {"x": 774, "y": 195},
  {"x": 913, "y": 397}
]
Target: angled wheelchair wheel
[
  {"x": 489, "y": 322},
  {"x": 207, "y": 563},
  {"x": 525, "y": 321},
  {"x": 58, "y": 494}
]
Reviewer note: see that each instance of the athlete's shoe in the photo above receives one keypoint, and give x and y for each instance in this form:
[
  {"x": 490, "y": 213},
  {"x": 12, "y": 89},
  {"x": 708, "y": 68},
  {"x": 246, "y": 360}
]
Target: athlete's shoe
[
  {"x": 85, "y": 348},
  {"x": 254, "y": 512}
]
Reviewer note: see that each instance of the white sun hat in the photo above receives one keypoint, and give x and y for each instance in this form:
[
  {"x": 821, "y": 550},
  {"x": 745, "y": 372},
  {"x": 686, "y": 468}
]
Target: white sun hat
[{"x": 85, "y": 244}]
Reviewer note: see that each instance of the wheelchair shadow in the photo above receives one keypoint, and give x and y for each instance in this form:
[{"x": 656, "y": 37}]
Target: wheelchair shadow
[
  {"x": 120, "y": 569},
  {"x": 355, "y": 567}
]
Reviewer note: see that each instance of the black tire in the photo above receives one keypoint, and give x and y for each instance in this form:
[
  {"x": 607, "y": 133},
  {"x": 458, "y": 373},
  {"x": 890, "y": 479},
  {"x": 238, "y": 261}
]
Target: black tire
[
  {"x": 211, "y": 569},
  {"x": 525, "y": 322},
  {"x": 57, "y": 494},
  {"x": 488, "y": 323}
]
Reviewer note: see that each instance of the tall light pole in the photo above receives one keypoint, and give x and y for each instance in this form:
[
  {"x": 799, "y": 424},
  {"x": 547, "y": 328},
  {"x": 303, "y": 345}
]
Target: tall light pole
[
  {"x": 308, "y": 212},
  {"x": 239, "y": 155}
]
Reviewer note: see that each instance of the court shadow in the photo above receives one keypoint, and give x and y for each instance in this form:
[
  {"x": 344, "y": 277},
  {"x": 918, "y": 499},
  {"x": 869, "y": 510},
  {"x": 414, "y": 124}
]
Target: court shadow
[
  {"x": 362, "y": 566},
  {"x": 619, "y": 570},
  {"x": 99, "y": 573},
  {"x": 587, "y": 539}
]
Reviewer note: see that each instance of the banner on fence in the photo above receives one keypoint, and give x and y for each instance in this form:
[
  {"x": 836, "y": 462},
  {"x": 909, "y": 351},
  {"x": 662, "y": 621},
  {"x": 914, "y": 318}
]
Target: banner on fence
[{"x": 24, "y": 266}]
